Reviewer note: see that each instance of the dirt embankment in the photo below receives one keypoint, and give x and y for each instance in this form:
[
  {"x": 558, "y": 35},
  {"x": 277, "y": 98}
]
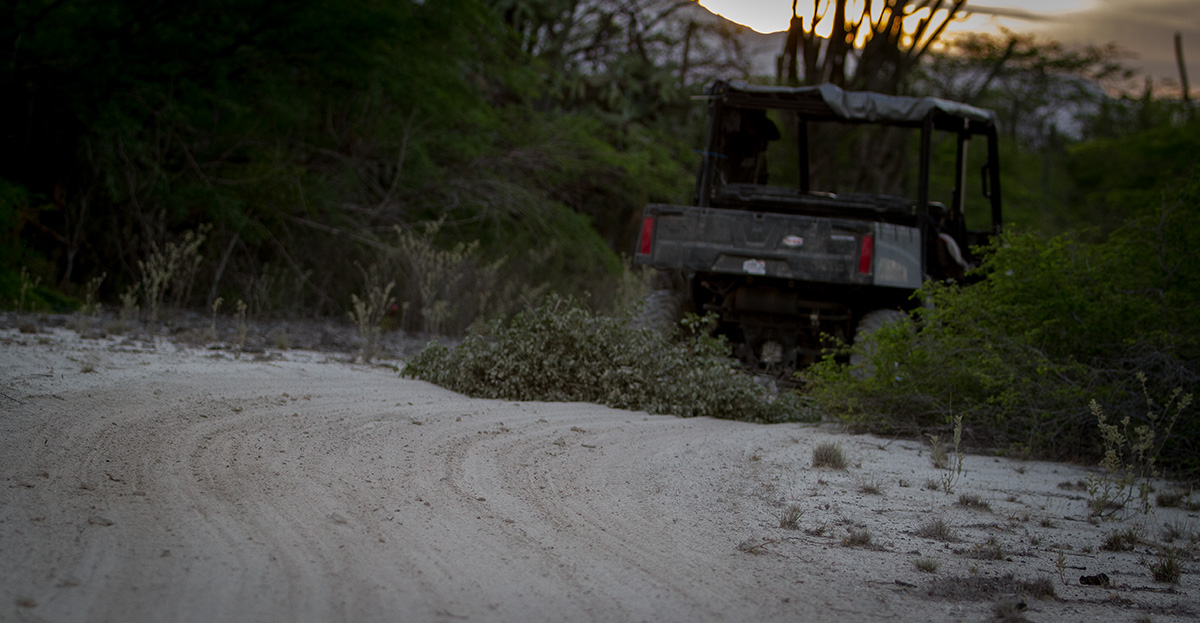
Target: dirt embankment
[{"x": 146, "y": 481}]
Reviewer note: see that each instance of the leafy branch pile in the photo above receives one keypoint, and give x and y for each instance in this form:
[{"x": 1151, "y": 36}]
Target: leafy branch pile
[
  {"x": 559, "y": 351},
  {"x": 1053, "y": 324}
]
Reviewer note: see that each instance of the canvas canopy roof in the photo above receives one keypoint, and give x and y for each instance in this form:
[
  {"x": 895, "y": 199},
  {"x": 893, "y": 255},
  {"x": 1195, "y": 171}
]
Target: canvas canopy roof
[{"x": 830, "y": 102}]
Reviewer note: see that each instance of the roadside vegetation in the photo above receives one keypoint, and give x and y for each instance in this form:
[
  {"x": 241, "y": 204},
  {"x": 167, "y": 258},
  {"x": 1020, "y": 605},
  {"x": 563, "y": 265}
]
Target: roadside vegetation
[
  {"x": 307, "y": 144},
  {"x": 559, "y": 351},
  {"x": 475, "y": 169},
  {"x": 1052, "y": 324}
]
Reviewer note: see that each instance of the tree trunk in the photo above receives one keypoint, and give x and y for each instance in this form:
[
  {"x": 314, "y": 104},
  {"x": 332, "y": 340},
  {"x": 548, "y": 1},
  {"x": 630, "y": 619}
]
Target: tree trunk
[{"x": 1183, "y": 78}]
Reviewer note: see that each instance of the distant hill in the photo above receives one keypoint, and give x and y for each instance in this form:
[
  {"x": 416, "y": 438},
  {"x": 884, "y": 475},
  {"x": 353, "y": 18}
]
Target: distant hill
[{"x": 760, "y": 50}]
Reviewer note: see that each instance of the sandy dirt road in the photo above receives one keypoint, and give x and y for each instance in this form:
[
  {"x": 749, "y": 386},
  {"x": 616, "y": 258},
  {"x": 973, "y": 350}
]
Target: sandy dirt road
[{"x": 143, "y": 481}]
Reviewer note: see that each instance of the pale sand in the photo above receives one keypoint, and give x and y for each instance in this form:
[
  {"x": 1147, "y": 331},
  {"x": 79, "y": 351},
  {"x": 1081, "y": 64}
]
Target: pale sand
[{"x": 146, "y": 481}]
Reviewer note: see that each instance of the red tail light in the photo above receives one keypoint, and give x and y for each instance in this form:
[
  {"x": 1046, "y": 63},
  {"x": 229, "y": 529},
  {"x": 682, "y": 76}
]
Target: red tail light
[
  {"x": 647, "y": 235},
  {"x": 865, "y": 255}
]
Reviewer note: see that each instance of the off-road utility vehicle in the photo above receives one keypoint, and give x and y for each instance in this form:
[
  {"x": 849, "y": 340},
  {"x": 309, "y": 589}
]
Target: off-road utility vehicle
[{"x": 817, "y": 213}]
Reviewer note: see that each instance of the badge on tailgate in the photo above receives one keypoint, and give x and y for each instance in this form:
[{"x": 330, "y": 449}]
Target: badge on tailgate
[{"x": 755, "y": 267}]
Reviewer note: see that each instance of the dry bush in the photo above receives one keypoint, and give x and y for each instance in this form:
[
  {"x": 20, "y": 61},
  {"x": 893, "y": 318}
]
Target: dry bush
[
  {"x": 368, "y": 312},
  {"x": 171, "y": 268},
  {"x": 558, "y": 351}
]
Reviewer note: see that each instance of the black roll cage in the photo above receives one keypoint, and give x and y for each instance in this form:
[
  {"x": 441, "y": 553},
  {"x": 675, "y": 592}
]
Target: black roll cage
[{"x": 829, "y": 103}]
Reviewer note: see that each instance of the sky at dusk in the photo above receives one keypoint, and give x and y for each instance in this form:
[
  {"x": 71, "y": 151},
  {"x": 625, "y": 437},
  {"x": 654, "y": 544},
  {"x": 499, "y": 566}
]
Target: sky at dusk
[{"x": 1143, "y": 27}]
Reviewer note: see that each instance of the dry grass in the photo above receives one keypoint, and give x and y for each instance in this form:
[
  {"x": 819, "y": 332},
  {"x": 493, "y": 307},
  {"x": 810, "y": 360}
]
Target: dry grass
[
  {"x": 970, "y": 500},
  {"x": 926, "y": 564},
  {"x": 937, "y": 452},
  {"x": 858, "y": 537},
  {"x": 1169, "y": 566},
  {"x": 1171, "y": 499},
  {"x": 1178, "y": 531},
  {"x": 1009, "y": 610},
  {"x": 870, "y": 487},
  {"x": 367, "y": 313},
  {"x": 818, "y": 530},
  {"x": 938, "y": 530},
  {"x": 1041, "y": 588},
  {"x": 988, "y": 550},
  {"x": 976, "y": 587},
  {"x": 1122, "y": 540},
  {"x": 829, "y": 455},
  {"x": 789, "y": 517}
]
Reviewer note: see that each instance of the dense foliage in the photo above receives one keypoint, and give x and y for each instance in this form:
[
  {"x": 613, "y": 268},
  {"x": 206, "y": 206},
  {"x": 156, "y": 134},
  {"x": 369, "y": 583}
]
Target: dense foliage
[
  {"x": 559, "y": 351},
  {"x": 299, "y": 135},
  {"x": 1052, "y": 323}
]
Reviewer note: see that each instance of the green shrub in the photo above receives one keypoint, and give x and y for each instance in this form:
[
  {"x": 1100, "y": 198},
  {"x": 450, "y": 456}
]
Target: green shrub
[
  {"x": 25, "y": 276},
  {"x": 1131, "y": 453},
  {"x": 559, "y": 351},
  {"x": 1050, "y": 325}
]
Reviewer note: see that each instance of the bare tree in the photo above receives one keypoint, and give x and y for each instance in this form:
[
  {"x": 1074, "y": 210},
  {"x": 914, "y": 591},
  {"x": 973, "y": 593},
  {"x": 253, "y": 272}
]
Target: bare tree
[
  {"x": 871, "y": 45},
  {"x": 1031, "y": 84},
  {"x": 1183, "y": 77},
  {"x": 600, "y": 50}
]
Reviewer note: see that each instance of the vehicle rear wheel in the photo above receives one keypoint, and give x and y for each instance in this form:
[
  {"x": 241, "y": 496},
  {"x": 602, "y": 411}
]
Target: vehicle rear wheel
[
  {"x": 661, "y": 311},
  {"x": 870, "y": 322}
]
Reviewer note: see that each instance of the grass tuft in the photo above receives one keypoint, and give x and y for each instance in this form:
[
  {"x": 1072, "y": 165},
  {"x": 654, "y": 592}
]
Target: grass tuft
[
  {"x": 1169, "y": 566},
  {"x": 829, "y": 455},
  {"x": 1176, "y": 531},
  {"x": 858, "y": 538},
  {"x": 368, "y": 312},
  {"x": 1122, "y": 540},
  {"x": 989, "y": 550},
  {"x": 870, "y": 487},
  {"x": 789, "y": 517},
  {"x": 1041, "y": 588},
  {"x": 1169, "y": 499},
  {"x": 1009, "y": 610},
  {"x": 971, "y": 500},
  {"x": 978, "y": 587},
  {"x": 926, "y": 565},
  {"x": 938, "y": 530}
]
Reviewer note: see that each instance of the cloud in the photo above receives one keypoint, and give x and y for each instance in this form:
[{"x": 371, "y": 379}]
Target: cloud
[
  {"x": 1146, "y": 28},
  {"x": 1012, "y": 12}
]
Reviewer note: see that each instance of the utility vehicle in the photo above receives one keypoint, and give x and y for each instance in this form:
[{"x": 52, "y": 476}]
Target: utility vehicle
[{"x": 817, "y": 212}]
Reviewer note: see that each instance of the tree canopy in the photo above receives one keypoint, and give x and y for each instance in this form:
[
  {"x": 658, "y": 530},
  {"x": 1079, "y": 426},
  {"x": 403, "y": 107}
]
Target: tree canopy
[
  {"x": 304, "y": 133},
  {"x": 301, "y": 136}
]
